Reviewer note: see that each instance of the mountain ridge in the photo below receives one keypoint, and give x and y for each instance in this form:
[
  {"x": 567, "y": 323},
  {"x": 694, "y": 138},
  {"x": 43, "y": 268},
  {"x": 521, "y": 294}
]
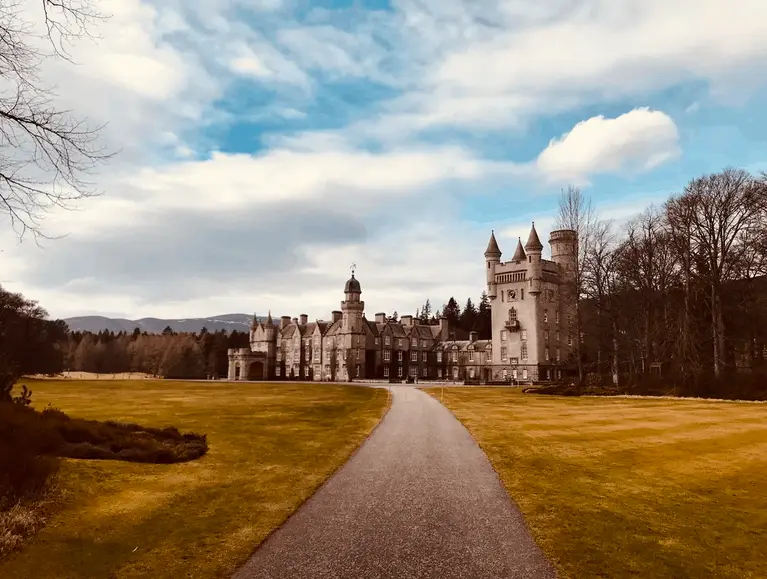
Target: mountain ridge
[{"x": 227, "y": 322}]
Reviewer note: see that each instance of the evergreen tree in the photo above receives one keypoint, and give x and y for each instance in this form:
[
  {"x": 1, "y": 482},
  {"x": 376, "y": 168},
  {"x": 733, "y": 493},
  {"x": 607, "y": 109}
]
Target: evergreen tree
[
  {"x": 484, "y": 319},
  {"x": 468, "y": 317},
  {"x": 452, "y": 311},
  {"x": 394, "y": 317},
  {"x": 426, "y": 315}
]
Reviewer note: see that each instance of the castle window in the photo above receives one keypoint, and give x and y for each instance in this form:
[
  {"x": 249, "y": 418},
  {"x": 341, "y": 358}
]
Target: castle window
[
  {"x": 439, "y": 357},
  {"x": 524, "y": 373},
  {"x": 439, "y": 372},
  {"x": 358, "y": 370},
  {"x": 399, "y": 342},
  {"x": 545, "y": 315},
  {"x": 316, "y": 355},
  {"x": 505, "y": 374},
  {"x": 387, "y": 340},
  {"x": 387, "y": 355},
  {"x": 306, "y": 371},
  {"x": 424, "y": 371},
  {"x": 414, "y": 356},
  {"x": 399, "y": 355},
  {"x": 504, "y": 354},
  {"x": 524, "y": 351},
  {"x": 545, "y": 336},
  {"x": 386, "y": 371},
  {"x": 514, "y": 373},
  {"x": 454, "y": 357},
  {"x": 413, "y": 371},
  {"x": 559, "y": 355},
  {"x": 471, "y": 356},
  {"x": 503, "y": 335},
  {"x": 546, "y": 354},
  {"x": 425, "y": 357},
  {"x": 376, "y": 341},
  {"x": 399, "y": 372},
  {"x": 423, "y": 343},
  {"x": 512, "y": 315},
  {"x": 522, "y": 293},
  {"x": 557, "y": 336},
  {"x": 277, "y": 371},
  {"x": 523, "y": 335},
  {"x": 471, "y": 372},
  {"x": 556, "y": 317},
  {"x": 514, "y": 361},
  {"x": 569, "y": 339},
  {"x": 455, "y": 373},
  {"x": 357, "y": 340}
]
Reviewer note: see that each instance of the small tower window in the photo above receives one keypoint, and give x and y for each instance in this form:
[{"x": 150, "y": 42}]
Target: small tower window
[{"x": 512, "y": 315}]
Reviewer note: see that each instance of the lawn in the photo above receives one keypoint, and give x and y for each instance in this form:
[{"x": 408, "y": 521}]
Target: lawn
[
  {"x": 617, "y": 487},
  {"x": 271, "y": 446}
]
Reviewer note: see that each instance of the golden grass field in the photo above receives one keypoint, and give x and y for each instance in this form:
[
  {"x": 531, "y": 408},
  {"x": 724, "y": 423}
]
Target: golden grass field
[
  {"x": 93, "y": 376},
  {"x": 619, "y": 487},
  {"x": 271, "y": 446}
]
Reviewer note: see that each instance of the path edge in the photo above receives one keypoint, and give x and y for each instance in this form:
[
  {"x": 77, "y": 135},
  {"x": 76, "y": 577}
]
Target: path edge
[
  {"x": 321, "y": 485},
  {"x": 500, "y": 481}
]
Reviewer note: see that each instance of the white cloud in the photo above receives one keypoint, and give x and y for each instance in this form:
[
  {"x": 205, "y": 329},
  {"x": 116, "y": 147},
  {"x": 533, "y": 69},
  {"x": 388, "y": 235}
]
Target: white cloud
[
  {"x": 561, "y": 55},
  {"x": 639, "y": 140}
]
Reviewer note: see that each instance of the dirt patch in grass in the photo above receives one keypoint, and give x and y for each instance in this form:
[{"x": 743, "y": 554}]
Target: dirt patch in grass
[
  {"x": 673, "y": 489},
  {"x": 271, "y": 446}
]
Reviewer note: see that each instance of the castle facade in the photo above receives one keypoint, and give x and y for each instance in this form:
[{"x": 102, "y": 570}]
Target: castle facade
[{"x": 532, "y": 310}]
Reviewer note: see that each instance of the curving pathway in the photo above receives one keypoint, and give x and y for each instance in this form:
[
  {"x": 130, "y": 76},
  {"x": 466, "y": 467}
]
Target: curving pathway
[{"x": 418, "y": 500}]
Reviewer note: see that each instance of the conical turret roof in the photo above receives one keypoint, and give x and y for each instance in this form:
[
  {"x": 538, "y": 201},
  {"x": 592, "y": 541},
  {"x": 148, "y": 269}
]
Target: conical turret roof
[
  {"x": 269, "y": 321},
  {"x": 254, "y": 325},
  {"x": 519, "y": 254},
  {"x": 492, "y": 247},
  {"x": 533, "y": 242}
]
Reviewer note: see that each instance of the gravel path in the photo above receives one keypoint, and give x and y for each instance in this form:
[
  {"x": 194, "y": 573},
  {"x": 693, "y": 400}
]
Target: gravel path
[{"x": 418, "y": 500}]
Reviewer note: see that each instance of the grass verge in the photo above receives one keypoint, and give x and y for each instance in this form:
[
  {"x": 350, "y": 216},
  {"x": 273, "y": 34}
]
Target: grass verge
[
  {"x": 271, "y": 446},
  {"x": 630, "y": 487}
]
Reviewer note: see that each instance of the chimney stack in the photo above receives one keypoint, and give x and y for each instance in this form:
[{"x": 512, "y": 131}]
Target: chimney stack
[
  {"x": 336, "y": 315},
  {"x": 284, "y": 321},
  {"x": 472, "y": 336},
  {"x": 304, "y": 319},
  {"x": 295, "y": 321},
  {"x": 380, "y": 318},
  {"x": 406, "y": 320}
]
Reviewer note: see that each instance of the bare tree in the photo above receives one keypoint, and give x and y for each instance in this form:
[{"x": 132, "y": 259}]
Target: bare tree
[
  {"x": 599, "y": 280},
  {"x": 722, "y": 212},
  {"x": 577, "y": 214},
  {"x": 45, "y": 152}
]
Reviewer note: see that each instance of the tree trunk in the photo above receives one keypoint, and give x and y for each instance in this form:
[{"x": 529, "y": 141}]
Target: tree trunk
[{"x": 615, "y": 355}]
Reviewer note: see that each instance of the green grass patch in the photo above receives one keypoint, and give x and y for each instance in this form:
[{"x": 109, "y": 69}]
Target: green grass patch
[
  {"x": 616, "y": 487},
  {"x": 270, "y": 447}
]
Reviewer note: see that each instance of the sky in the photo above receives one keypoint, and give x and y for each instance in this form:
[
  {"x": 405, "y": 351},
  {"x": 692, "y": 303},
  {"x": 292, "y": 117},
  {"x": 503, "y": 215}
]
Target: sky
[{"x": 266, "y": 146}]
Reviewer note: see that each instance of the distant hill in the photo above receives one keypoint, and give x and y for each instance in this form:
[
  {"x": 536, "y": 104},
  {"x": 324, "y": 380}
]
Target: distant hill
[{"x": 229, "y": 322}]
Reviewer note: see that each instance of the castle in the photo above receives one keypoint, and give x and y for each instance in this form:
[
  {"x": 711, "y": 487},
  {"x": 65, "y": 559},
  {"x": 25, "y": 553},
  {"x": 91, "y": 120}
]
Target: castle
[{"x": 532, "y": 309}]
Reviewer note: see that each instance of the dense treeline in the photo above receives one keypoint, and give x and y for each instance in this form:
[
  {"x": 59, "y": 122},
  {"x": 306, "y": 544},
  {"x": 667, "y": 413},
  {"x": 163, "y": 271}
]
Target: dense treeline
[
  {"x": 470, "y": 318},
  {"x": 678, "y": 296},
  {"x": 170, "y": 354}
]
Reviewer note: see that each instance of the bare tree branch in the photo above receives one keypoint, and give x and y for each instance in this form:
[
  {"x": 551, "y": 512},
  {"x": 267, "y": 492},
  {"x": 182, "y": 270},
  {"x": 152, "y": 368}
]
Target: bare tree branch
[{"x": 46, "y": 153}]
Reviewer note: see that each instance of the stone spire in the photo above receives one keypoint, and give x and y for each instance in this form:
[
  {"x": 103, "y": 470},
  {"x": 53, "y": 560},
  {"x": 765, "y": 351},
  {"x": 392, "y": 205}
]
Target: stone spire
[
  {"x": 492, "y": 247},
  {"x": 533, "y": 242},
  {"x": 269, "y": 318},
  {"x": 254, "y": 325},
  {"x": 519, "y": 254}
]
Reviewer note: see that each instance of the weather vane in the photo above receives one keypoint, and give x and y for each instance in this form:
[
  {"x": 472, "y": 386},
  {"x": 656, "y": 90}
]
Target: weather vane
[{"x": 353, "y": 267}]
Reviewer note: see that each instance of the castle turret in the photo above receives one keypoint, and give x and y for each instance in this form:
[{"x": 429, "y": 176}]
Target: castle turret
[
  {"x": 534, "y": 248},
  {"x": 492, "y": 259},
  {"x": 564, "y": 250},
  {"x": 352, "y": 307},
  {"x": 270, "y": 329}
]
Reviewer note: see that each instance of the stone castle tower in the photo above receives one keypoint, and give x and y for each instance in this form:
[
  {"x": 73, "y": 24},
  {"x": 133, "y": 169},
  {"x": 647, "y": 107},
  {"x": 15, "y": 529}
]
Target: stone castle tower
[{"x": 532, "y": 305}]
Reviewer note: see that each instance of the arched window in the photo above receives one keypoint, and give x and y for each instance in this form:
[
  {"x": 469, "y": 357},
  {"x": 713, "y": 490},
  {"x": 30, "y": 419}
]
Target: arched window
[{"x": 512, "y": 315}]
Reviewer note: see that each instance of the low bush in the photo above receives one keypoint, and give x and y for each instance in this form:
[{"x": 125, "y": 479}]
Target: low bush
[{"x": 32, "y": 442}]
